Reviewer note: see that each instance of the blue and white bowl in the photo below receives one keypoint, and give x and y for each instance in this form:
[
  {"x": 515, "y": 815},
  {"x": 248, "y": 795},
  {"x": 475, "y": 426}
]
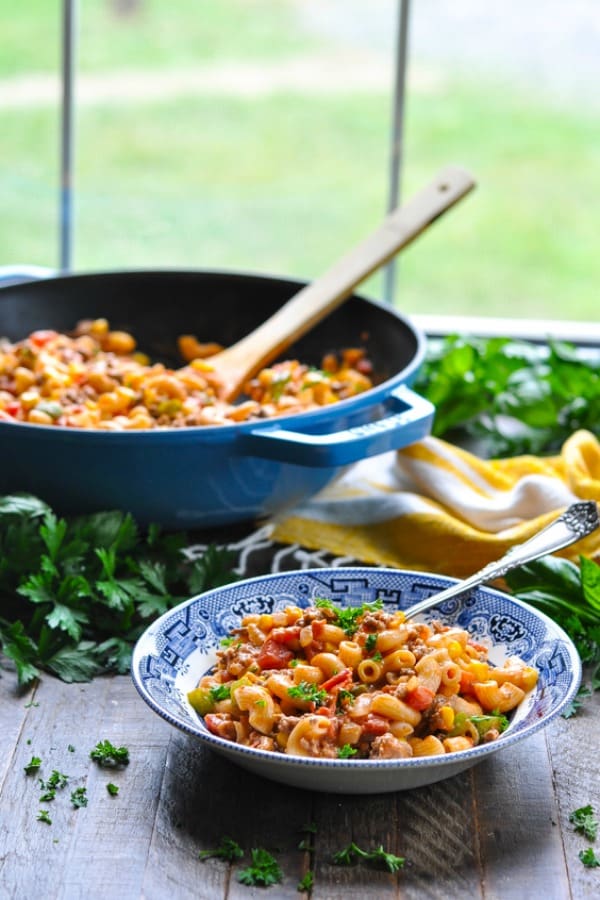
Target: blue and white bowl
[{"x": 180, "y": 647}]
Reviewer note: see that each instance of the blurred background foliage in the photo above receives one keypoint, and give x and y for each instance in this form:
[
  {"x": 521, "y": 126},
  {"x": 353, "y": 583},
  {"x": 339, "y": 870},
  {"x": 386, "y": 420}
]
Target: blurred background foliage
[{"x": 255, "y": 135}]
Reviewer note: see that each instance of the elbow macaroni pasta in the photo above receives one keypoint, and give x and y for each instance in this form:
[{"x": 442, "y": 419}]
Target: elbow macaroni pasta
[
  {"x": 361, "y": 684},
  {"x": 94, "y": 378}
]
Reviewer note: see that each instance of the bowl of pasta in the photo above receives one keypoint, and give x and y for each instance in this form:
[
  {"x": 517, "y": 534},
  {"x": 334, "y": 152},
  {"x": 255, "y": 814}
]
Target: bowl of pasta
[{"x": 316, "y": 679}]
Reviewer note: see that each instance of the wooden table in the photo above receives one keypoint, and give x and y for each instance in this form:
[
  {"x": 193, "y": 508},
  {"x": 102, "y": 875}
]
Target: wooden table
[{"x": 499, "y": 830}]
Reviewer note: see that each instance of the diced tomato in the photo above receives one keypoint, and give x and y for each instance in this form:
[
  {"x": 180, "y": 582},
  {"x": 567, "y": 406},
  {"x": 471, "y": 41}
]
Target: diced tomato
[
  {"x": 467, "y": 679},
  {"x": 40, "y": 338},
  {"x": 285, "y": 635},
  {"x": 13, "y": 408},
  {"x": 273, "y": 655},
  {"x": 338, "y": 678},
  {"x": 318, "y": 627},
  {"x": 375, "y": 724},
  {"x": 420, "y": 697}
]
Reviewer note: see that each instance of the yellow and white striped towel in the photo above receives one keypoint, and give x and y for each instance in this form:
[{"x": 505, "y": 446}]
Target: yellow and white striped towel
[{"x": 437, "y": 508}]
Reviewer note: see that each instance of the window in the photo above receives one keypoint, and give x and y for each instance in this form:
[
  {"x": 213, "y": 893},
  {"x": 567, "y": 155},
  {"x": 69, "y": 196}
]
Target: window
[{"x": 256, "y": 134}]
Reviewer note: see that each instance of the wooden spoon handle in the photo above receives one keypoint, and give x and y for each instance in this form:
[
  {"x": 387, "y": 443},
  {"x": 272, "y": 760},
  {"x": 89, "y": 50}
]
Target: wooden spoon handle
[{"x": 313, "y": 302}]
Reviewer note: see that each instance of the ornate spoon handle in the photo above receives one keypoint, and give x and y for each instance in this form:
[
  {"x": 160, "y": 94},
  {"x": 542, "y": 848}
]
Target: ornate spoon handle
[{"x": 575, "y": 523}]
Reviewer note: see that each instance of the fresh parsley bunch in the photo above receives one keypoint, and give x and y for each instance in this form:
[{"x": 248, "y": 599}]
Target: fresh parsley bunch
[
  {"x": 512, "y": 396},
  {"x": 570, "y": 595},
  {"x": 75, "y": 594}
]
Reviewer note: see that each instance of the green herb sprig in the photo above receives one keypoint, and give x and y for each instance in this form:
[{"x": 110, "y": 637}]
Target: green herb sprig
[
  {"x": 585, "y": 822},
  {"x": 263, "y": 870},
  {"x": 107, "y": 755},
  {"x": 228, "y": 849},
  {"x": 352, "y": 853}
]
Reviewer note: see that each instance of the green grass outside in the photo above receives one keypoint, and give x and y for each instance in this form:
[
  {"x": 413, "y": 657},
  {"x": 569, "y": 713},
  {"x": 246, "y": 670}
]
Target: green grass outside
[
  {"x": 287, "y": 183},
  {"x": 160, "y": 34}
]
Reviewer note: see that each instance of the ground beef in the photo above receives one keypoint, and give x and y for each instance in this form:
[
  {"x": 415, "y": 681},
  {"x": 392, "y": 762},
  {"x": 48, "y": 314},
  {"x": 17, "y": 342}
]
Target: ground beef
[{"x": 386, "y": 746}]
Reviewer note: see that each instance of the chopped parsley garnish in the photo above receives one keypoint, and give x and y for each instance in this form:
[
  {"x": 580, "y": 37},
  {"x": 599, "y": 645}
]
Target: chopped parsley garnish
[
  {"x": 589, "y": 858},
  {"x": 347, "y": 618},
  {"x": 44, "y": 816},
  {"x": 33, "y": 765},
  {"x": 79, "y": 797},
  {"x": 106, "y": 754},
  {"x": 264, "y": 869},
  {"x": 228, "y": 849},
  {"x": 371, "y": 642},
  {"x": 346, "y": 752},
  {"x": 220, "y": 692},
  {"x": 308, "y": 691},
  {"x": 227, "y": 641},
  {"x": 352, "y": 853},
  {"x": 585, "y": 822},
  {"x": 112, "y": 789}
]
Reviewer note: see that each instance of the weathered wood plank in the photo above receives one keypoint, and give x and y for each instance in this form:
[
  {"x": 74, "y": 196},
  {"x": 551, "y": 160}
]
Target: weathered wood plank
[
  {"x": 14, "y": 706},
  {"x": 516, "y": 816},
  {"x": 205, "y": 798},
  {"x": 85, "y": 852},
  {"x": 495, "y": 831},
  {"x": 574, "y": 752}
]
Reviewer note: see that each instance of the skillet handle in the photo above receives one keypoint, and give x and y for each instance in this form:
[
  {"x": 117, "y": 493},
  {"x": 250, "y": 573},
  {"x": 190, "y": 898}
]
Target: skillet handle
[{"x": 409, "y": 420}]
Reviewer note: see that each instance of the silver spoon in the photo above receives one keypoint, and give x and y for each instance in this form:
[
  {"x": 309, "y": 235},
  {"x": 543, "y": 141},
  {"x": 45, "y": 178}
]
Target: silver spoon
[{"x": 575, "y": 523}]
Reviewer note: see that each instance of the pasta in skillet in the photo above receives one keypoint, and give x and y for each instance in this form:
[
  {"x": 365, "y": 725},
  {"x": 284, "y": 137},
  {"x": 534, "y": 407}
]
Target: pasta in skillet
[
  {"x": 357, "y": 683},
  {"x": 94, "y": 378}
]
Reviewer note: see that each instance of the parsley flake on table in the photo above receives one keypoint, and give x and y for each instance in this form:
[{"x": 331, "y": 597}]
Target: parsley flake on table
[
  {"x": 228, "y": 849},
  {"x": 33, "y": 765},
  {"x": 107, "y": 755},
  {"x": 44, "y": 816},
  {"x": 112, "y": 789},
  {"x": 585, "y": 822},
  {"x": 306, "y": 883},
  {"x": 263, "y": 870},
  {"x": 589, "y": 858},
  {"x": 79, "y": 797},
  {"x": 352, "y": 853},
  {"x": 57, "y": 780}
]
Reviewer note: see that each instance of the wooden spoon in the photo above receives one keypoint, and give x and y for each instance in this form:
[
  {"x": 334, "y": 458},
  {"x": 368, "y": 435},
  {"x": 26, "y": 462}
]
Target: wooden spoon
[{"x": 239, "y": 362}]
